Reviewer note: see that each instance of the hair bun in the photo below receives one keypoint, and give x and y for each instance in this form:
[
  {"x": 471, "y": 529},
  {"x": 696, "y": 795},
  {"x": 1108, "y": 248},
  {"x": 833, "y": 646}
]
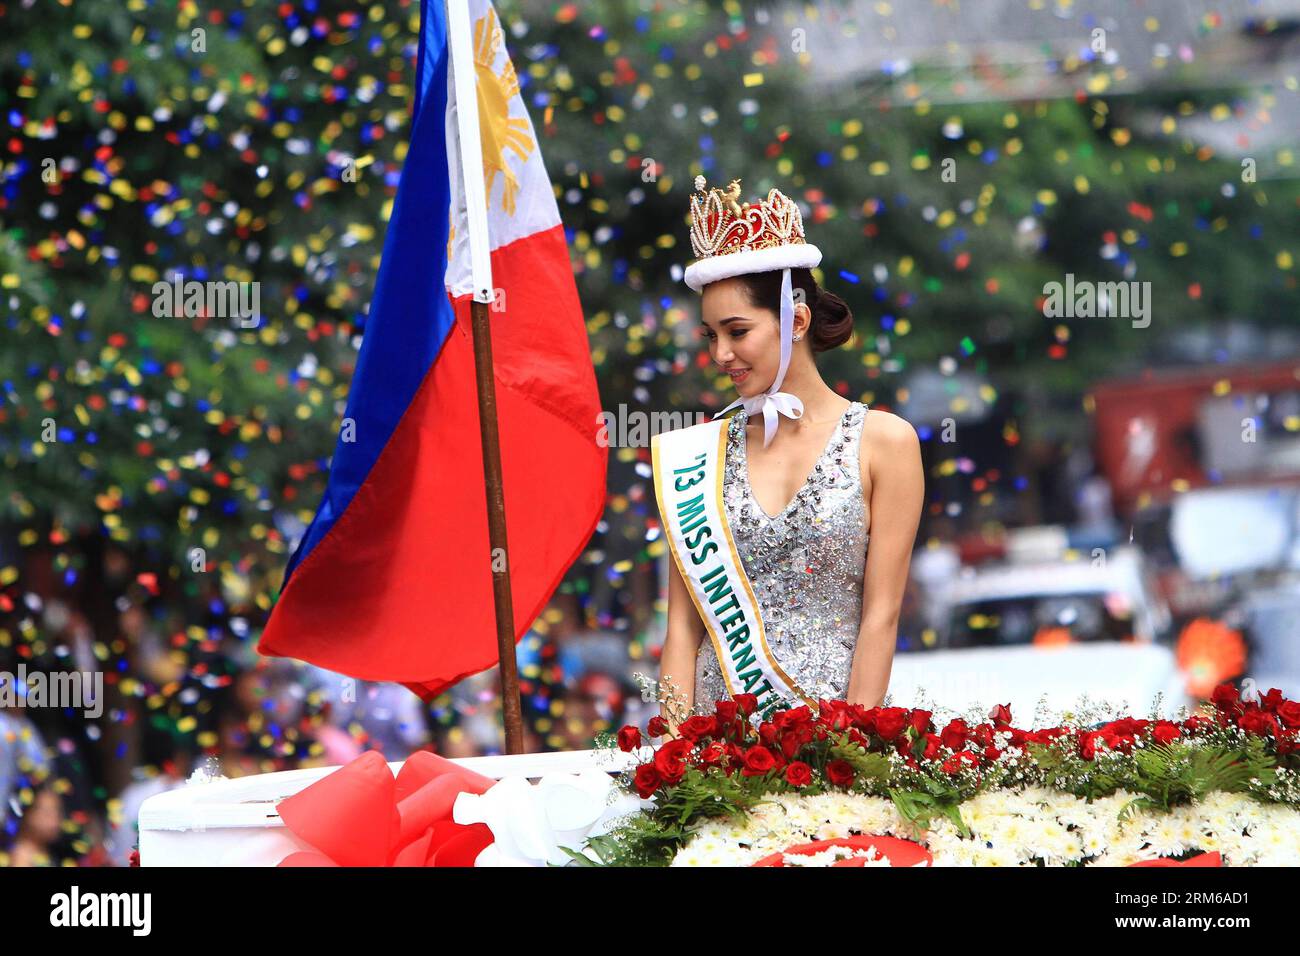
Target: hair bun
[{"x": 832, "y": 322}]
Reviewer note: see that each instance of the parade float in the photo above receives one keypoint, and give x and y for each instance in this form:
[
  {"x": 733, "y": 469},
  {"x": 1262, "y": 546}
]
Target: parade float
[
  {"x": 852, "y": 786},
  {"x": 842, "y": 786}
]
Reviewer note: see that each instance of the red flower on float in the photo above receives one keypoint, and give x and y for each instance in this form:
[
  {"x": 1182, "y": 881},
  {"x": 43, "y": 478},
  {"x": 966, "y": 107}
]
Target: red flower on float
[
  {"x": 629, "y": 738},
  {"x": 955, "y": 734},
  {"x": 693, "y": 728},
  {"x": 835, "y": 714},
  {"x": 1165, "y": 732},
  {"x": 670, "y": 760},
  {"x": 920, "y": 721},
  {"x": 933, "y": 744},
  {"x": 840, "y": 773},
  {"x": 957, "y": 761},
  {"x": 1001, "y": 716},
  {"x": 1259, "y": 723},
  {"x": 646, "y": 780},
  {"x": 798, "y": 774},
  {"x": 758, "y": 761},
  {"x": 1289, "y": 713},
  {"x": 890, "y": 722},
  {"x": 713, "y": 755}
]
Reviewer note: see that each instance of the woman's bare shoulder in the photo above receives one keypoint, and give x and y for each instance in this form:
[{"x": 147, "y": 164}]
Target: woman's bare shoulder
[{"x": 887, "y": 440}]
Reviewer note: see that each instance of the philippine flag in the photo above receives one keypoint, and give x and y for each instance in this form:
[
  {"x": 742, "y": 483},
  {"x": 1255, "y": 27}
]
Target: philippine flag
[{"x": 393, "y": 578}]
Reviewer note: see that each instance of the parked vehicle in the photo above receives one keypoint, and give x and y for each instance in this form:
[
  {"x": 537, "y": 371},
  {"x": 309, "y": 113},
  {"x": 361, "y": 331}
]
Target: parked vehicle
[{"x": 1061, "y": 628}]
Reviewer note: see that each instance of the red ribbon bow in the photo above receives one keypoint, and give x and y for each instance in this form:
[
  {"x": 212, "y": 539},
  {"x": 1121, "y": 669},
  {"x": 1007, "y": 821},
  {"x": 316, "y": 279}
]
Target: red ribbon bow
[
  {"x": 1202, "y": 859},
  {"x": 359, "y": 815}
]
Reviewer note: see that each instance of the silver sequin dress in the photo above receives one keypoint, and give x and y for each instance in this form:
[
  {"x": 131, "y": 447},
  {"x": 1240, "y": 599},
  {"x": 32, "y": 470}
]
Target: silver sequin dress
[{"x": 805, "y": 564}]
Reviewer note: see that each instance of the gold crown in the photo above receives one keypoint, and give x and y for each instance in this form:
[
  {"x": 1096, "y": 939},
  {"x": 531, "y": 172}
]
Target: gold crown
[{"x": 720, "y": 225}]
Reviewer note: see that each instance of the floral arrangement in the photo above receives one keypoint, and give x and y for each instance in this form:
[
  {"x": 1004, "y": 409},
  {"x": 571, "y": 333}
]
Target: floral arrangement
[{"x": 734, "y": 787}]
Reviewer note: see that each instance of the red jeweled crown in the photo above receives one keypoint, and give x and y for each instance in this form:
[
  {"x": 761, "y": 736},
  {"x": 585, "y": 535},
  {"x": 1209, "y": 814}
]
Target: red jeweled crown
[{"x": 732, "y": 238}]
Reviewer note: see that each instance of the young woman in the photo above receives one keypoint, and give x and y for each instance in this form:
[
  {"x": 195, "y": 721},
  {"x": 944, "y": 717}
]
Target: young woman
[{"x": 806, "y": 479}]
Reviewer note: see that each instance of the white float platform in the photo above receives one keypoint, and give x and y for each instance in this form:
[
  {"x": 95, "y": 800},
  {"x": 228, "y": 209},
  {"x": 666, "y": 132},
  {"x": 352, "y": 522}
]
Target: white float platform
[{"x": 233, "y": 822}]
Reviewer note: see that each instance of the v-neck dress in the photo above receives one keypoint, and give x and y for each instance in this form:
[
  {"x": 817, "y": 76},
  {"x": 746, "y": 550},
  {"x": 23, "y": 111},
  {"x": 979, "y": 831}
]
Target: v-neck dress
[{"x": 805, "y": 565}]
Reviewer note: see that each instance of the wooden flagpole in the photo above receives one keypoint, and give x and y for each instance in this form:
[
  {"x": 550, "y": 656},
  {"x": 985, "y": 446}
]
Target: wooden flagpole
[{"x": 471, "y": 168}]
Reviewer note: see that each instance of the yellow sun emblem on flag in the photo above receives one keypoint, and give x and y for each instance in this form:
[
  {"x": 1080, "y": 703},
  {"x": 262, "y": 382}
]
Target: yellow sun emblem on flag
[{"x": 498, "y": 130}]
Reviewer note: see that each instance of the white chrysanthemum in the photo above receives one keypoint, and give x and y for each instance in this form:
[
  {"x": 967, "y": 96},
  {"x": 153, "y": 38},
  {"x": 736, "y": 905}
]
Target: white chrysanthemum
[
  {"x": 832, "y": 831},
  {"x": 1165, "y": 838},
  {"x": 1092, "y": 843},
  {"x": 1013, "y": 828},
  {"x": 1060, "y": 848}
]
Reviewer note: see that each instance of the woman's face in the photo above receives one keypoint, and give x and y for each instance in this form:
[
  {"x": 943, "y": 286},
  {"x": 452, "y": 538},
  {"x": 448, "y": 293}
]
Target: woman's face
[{"x": 744, "y": 340}]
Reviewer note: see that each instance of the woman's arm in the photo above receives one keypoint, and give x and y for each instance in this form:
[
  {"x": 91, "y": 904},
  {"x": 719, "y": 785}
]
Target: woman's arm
[
  {"x": 892, "y": 459},
  {"x": 681, "y": 644}
]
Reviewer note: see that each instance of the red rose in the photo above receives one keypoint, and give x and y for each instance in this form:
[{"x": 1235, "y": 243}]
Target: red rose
[
  {"x": 798, "y": 774},
  {"x": 1088, "y": 744},
  {"x": 735, "y": 757},
  {"x": 1288, "y": 711},
  {"x": 748, "y": 703},
  {"x": 864, "y": 719},
  {"x": 670, "y": 759},
  {"x": 920, "y": 720},
  {"x": 647, "y": 780},
  {"x": 1001, "y": 716},
  {"x": 794, "y": 739},
  {"x": 656, "y": 726},
  {"x": 932, "y": 744},
  {"x": 955, "y": 734},
  {"x": 840, "y": 773},
  {"x": 1197, "y": 723},
  {"x": 982, "y": 734},
  {"x": 767, "y": 733},
  {"x": 992, "y": 753},
  {"x": 1225, "y": 697},
  {"x": 693, "y": 728},
  {"x": 134, "y": 859},
  {"x": 758, "y": 761},
  {"x": 713, "y": 754},
  {"x": 834, "y": 714},
  {"x": 890, "y": 722},
  {"x": 962, "y": 758},
  {"x": 1165, "y": 731},
  {"x": 1127, "y": 726},
  {"x": 1044, "y": 736},
  {"x": 795, "y": 719},
  {"x": 629, "y": 738},
  {"x": 1259, "y": 723},
  {"x": 852, "y": 734},
  {"x": 725, "y": 714}
]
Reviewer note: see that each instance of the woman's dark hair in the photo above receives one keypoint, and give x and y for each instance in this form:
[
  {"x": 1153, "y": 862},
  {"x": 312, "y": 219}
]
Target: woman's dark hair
[{"x": 832, "y": 322}]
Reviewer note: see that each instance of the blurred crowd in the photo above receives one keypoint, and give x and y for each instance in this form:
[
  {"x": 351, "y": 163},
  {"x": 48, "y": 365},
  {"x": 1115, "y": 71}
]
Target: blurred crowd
[{"x": 176, "y": 708}]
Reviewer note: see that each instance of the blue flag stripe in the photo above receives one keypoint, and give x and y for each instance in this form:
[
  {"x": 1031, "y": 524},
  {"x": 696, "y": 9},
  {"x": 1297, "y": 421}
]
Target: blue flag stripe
[{"x": 410, "y": 315}]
